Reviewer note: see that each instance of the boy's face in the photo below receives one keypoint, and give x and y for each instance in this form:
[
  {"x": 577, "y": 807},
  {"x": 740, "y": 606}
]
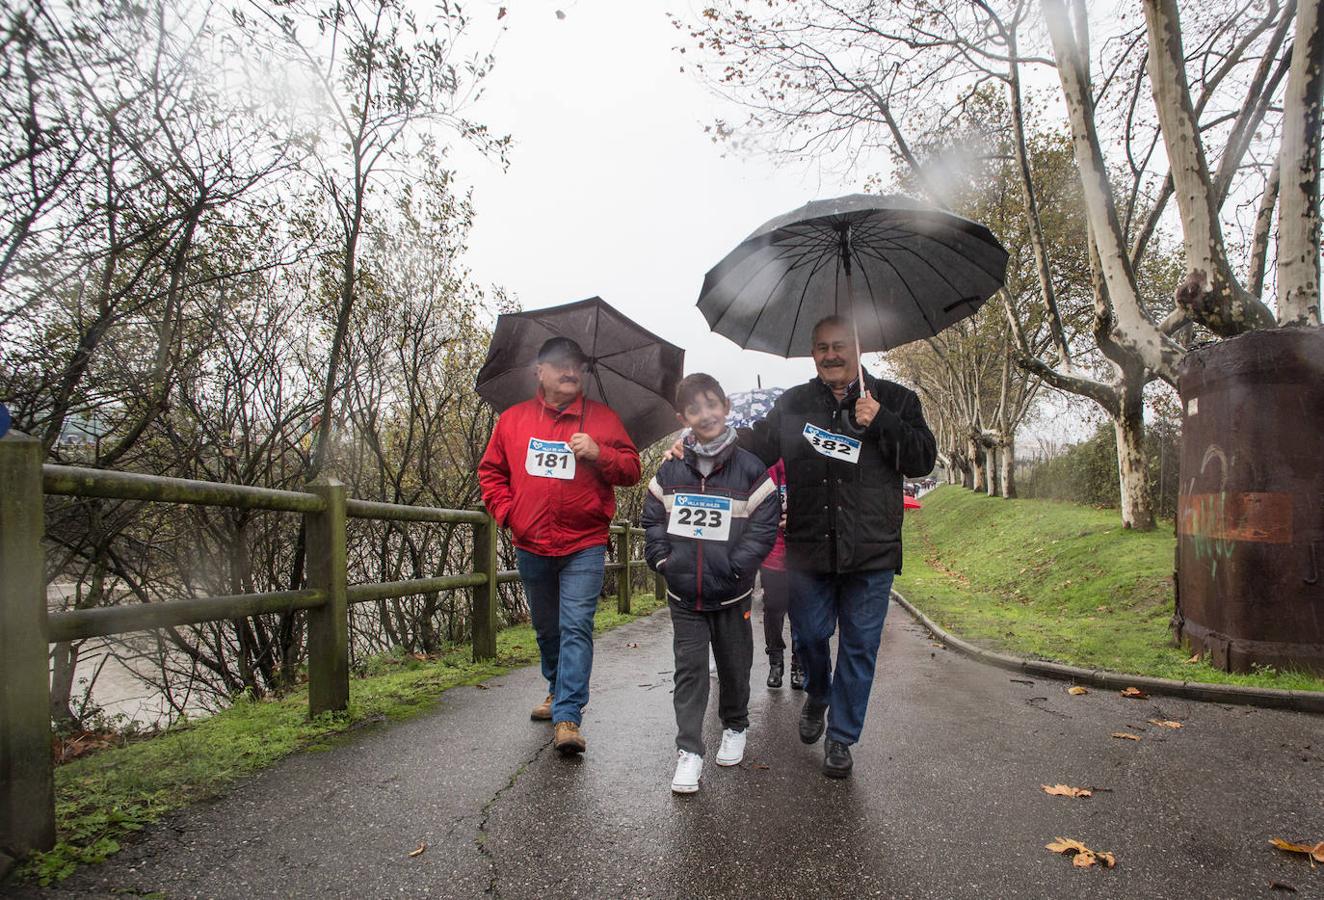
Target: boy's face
[{"x": 705, "y": 415}]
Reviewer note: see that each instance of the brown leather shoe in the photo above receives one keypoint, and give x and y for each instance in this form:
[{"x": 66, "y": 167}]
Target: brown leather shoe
[
  {"x": 568, "y": 739},
  {"x": 543, "y": 711}
]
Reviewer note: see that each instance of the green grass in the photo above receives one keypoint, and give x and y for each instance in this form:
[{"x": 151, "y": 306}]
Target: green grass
[
  {"x": 101, "y": 800},
  {"x": 1055, "y": 581}
]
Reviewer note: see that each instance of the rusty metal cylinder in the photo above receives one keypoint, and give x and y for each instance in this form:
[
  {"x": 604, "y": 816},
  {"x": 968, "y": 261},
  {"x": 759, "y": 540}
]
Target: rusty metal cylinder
[{"x": 1250, "y": 515}]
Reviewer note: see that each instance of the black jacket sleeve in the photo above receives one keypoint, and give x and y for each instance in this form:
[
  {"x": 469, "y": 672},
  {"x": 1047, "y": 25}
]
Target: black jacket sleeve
[
  {"x": 657, "y": 546},
  {"x": 905, "y": 437},
  {"x": 760, "y": 532}
]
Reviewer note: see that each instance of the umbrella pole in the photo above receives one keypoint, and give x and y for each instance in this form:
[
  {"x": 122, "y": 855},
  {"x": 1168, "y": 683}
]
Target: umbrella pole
[{"x": 850, "y": 299}]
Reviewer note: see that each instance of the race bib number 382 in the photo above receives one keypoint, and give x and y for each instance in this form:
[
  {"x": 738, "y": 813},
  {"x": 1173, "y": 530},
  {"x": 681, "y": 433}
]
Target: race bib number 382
[
  {"x": 830, "y": 444},
  {"x": 700, "y": 516},
  {"x": 550, "y": 459}
]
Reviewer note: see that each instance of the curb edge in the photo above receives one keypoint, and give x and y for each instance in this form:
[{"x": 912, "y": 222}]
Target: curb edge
[{"x": 1204, "y": 692}]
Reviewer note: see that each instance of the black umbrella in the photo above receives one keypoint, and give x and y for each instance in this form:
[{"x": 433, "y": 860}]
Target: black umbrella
[
  {"x": 900, "y": 270},
  {"x": 631, "y": 369}
]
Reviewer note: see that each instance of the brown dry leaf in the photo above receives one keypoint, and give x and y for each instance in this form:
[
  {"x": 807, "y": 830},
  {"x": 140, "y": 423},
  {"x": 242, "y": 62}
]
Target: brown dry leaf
[
  {"x": 1076, "y": 690},
  {"x": 1134, "y": 693},
  {"x": 1067, "y": 845},
  {"x": 422, "y": 845},
  {"x": 761, "y": 766},
  {"x": 1108, "y": 859},
  {"x": 1315, "y": 852},
  {"x": 1082, "y": 857},
  {"x": 1125, "y": 736},
  {"x": 1165, "y": 723},
  {"x": 1193, "y": 659},
  {"x": 1066, "y": 790}
]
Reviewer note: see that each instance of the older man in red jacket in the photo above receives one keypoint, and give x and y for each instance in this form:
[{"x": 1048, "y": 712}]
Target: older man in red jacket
[{"x": 548, "y": 475}]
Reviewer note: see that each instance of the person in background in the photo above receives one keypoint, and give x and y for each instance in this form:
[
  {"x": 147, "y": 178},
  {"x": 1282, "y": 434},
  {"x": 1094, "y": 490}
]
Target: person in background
[{"x": 777, "y": 597}]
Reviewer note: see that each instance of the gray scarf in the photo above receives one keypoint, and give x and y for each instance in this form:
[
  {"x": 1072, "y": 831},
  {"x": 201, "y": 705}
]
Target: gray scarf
[{"x": 707, "y": 453}]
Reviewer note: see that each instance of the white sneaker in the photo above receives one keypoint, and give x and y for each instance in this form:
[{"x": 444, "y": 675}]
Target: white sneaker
[
  {"x": 688, "y": 768},
  {"x": 732, "y": 750}
]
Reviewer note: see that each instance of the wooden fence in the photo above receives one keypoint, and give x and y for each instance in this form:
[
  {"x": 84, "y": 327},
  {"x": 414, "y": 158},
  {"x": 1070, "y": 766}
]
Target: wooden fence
[{"x": 27, "y": 798}]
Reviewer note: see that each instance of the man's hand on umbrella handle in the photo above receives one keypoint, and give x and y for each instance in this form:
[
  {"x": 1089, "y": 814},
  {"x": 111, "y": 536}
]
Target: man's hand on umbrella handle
[
  {"x": 865, "y": 409},
  {"x": 675, "y": 451},
  {"x": 583, "y": 446}
]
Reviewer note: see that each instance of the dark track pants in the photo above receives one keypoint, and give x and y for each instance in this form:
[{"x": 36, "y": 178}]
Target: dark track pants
[{"x": 729, "y": 632}]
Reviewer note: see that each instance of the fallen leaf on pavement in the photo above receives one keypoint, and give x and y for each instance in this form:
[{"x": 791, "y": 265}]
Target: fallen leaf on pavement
[
  {"x": 1315, "y": 852},
  {"x": 1165, "y": 723},
  {"x": 761, "y": 766},
  {"x": 1076, "y": 690},
  {"x": 632, "y": 645},
  {"x": 1134, "y": 693},
  {"x": 422, "y": 845},
  {"x": 481, "y": 687},
  {"x": 1066, "y": 790},
  {"x": 1125, "y": 736},
  {"x": 1082, "y": 857}
]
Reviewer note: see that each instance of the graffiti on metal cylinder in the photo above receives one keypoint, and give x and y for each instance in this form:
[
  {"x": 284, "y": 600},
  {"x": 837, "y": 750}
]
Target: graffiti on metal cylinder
[{"x": 1214, "y": 522}]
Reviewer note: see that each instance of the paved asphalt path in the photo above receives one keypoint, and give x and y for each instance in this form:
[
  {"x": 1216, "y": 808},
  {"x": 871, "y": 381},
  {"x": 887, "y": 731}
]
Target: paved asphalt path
[{"x": 945, "y": 802}]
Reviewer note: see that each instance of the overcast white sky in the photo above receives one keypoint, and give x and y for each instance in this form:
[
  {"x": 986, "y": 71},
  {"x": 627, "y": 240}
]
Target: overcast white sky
[{"x": 613, "y": 188}]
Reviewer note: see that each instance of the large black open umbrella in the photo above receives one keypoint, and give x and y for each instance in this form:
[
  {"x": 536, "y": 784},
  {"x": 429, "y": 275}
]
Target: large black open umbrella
[
  {"x": 900, "y": 270},
  {"x": 631, "y": 369}
]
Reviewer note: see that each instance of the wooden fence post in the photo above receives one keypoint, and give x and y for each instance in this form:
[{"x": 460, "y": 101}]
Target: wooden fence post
[
  {"x": 483, "y": 611},
  {"x": 623, "y": 573},
  {"x": 27, "y": 787},
  {"x": 328, "y": 624}
]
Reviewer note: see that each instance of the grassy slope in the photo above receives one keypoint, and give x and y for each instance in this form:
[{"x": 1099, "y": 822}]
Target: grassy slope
[
  {"x": 103, "y": 798},
  {"x": 1054, "y": 581}
]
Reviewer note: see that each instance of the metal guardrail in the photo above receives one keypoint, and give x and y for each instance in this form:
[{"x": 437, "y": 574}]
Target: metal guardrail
[{"x": 27, "y": 798}]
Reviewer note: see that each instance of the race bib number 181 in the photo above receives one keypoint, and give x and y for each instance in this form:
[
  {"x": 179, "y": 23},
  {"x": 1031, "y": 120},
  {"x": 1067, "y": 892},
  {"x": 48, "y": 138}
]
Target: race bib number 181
[
  {"x": 700, "y": 516},
  {"x": 830, "y": 444},
  {"x": 550, "y": 459}
]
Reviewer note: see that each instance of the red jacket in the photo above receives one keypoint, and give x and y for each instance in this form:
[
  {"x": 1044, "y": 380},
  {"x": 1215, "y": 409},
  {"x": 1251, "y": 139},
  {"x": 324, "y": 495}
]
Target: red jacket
[
  {"x": 776, "y": 560},
  {"x": 552, "y": 516}
]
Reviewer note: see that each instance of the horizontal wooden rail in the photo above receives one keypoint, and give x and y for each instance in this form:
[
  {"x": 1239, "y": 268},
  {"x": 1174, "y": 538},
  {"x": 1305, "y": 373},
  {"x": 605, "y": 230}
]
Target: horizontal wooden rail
[
  {"x": 375, "y": 509},
  {"x": 80, "y": 482},
  {"x": 79, "y": 624},
  {"x": 364, "y": 593}
]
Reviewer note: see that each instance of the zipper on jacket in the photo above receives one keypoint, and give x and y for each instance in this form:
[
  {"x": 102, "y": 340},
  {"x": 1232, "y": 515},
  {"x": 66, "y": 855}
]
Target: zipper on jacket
[{"x": 698, "y": 594}]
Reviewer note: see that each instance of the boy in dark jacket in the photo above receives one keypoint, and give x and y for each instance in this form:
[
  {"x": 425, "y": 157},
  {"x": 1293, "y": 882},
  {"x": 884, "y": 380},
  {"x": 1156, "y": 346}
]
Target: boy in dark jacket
[{"x": 710, "y": 519}]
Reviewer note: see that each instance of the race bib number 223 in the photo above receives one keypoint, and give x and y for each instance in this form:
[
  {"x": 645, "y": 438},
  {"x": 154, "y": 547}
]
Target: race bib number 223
[{"x": 700, "y": 516}]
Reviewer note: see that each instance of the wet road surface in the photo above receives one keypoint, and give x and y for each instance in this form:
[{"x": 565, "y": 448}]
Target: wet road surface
[{"x": 945, "y": 801}]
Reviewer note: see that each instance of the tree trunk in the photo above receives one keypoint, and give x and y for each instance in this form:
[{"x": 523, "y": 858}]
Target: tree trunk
[
  {"x": 64, "y": 663},
  {"x": 1132, "y": 465},
  {"x": 991, "y": 471},
  {"x": 1007, "y": 475},
  {"x": 976, "y": 466}
]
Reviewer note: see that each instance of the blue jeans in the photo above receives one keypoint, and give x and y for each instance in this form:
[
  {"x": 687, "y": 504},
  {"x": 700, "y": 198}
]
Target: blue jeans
[
  {"x": 857, "y": 601},
  {"x": 563, "y": 592}
]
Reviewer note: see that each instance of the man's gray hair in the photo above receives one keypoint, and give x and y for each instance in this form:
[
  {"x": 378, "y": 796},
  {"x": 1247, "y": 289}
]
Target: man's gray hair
[{"x": 828, "y": 322}]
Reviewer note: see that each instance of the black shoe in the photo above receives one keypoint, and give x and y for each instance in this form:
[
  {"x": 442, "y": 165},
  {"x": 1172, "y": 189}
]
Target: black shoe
[
  {"x": 811, "y": 721},
  {"x": 775, "y": 669},
  {"x": 836, "y": 760},
  {"x": 797, "y": 677}
]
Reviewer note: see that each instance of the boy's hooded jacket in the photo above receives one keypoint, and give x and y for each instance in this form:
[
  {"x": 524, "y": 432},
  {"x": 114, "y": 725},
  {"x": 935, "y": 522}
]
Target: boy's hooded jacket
[{"x": 711, "y": 574}]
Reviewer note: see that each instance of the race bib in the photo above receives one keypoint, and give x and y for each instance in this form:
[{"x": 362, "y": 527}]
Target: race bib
[
  {"x": 835, "y": 446},
  {"x": 700, "y": 516},
  {"x": 550, "y": 459}
]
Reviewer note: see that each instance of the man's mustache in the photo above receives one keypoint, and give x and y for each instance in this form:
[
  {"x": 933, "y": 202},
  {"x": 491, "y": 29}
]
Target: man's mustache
[
  {"x": 570, "y": 379},
  {"x": 834, "y": 362}
]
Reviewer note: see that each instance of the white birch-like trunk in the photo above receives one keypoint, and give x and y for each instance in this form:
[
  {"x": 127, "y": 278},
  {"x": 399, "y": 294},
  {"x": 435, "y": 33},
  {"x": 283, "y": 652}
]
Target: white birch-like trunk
[
  {"x": 976, "y": 468},
  {"x": 1007, "y": 470},
  {"x": 1298, "y": 174},
  {"x": 1132, "y": 464},
  {"x": 991, "y": 471}
]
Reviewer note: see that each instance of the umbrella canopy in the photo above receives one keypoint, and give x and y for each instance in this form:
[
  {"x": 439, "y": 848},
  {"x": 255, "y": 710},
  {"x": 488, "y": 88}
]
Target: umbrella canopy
[
  {"x": 631, "y": 369},
  {"x": 916, "y": 270},
  {"x": 747, "y": 407}
]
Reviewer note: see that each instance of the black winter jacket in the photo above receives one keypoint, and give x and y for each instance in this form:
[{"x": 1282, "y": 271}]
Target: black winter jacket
[
  {"x": 843, "y": 516},
  {"x": 710, "y": 574}
]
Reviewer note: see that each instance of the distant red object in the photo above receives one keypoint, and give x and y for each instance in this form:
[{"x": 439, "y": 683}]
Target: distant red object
[{"x": 912, "y": 503}]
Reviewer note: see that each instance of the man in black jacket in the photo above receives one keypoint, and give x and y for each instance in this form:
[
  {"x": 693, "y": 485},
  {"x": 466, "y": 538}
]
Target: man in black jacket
[{"x": 846, "y": 453}]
